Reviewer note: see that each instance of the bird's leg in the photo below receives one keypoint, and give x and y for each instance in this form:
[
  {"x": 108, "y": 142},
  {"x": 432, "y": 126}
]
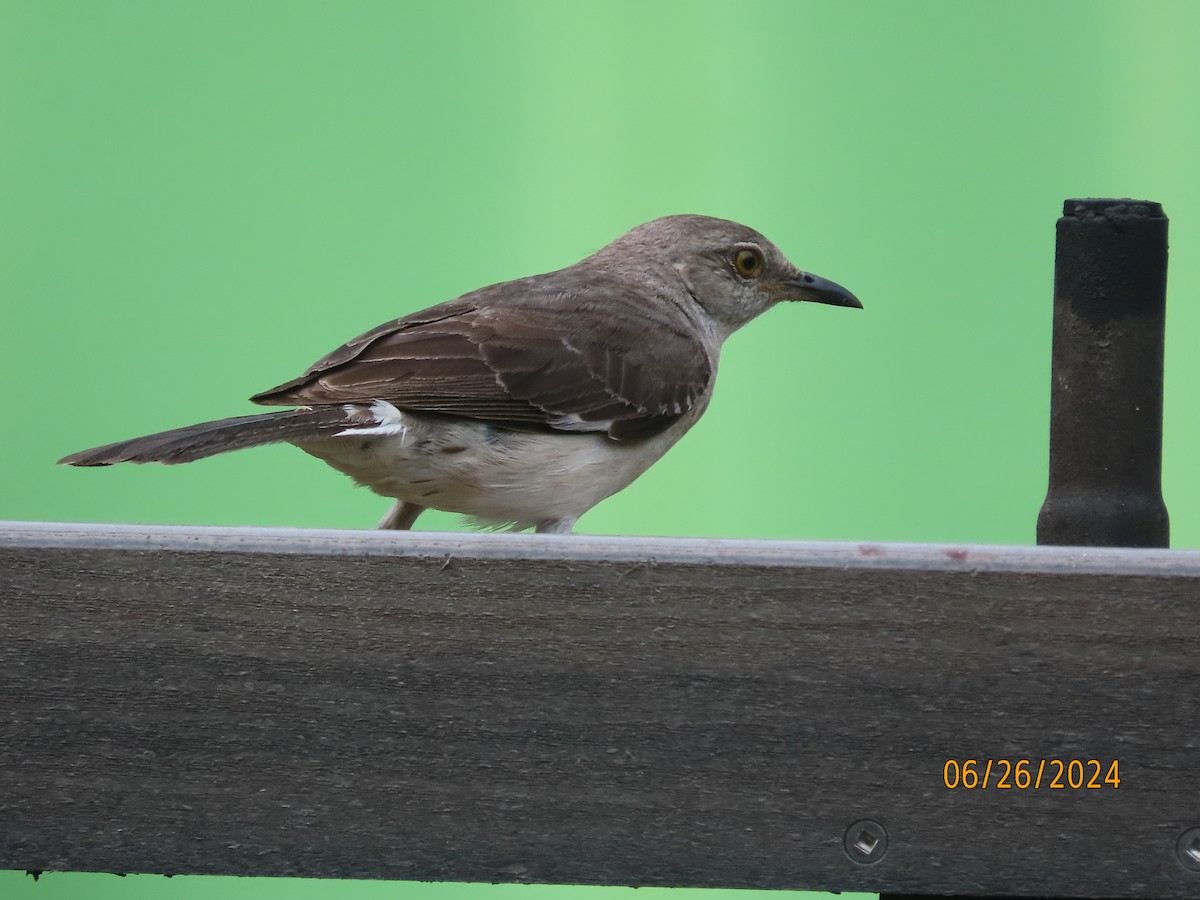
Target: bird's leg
[
  {"x": 401, "y": 516},
  {"x": 555, "y": 526}
]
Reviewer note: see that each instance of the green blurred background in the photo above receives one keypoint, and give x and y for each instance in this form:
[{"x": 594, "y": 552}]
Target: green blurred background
[{"x": 200, "y": 198}]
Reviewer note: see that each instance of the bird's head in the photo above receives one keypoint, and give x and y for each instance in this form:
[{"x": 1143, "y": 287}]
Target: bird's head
[{"x": 732, "y": 271}]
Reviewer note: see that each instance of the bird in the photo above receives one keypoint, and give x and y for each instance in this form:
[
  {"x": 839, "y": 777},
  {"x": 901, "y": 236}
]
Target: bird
[{"x": 523, "y": 404}]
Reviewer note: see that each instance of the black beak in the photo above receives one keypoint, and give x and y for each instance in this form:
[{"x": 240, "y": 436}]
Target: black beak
[{"x": 815, "y": 289}]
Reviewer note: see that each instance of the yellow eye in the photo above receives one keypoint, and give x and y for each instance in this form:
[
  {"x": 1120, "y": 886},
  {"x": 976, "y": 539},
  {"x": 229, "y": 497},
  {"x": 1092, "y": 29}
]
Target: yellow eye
[{"x": 748, "y": 261}]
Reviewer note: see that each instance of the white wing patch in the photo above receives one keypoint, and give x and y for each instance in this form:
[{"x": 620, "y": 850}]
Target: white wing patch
[
  {"x": 386, "y": 418},
  {"x": 572, "y": 422}
]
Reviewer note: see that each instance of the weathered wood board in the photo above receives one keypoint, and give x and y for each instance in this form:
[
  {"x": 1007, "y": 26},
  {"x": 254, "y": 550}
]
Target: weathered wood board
[{"x": 595, "y": 710}]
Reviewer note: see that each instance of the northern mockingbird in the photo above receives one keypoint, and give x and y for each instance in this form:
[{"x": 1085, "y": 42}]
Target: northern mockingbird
[{"x": 526, "y": 403}]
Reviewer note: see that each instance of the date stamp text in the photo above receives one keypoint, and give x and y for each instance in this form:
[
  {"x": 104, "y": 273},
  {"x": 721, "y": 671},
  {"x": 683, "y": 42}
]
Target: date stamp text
[{"x": 1031, "y": 774}]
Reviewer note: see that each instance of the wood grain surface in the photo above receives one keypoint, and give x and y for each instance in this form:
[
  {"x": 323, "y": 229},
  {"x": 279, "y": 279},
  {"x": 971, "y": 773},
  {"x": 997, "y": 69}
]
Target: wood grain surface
[{"x": 593, "y": 710}]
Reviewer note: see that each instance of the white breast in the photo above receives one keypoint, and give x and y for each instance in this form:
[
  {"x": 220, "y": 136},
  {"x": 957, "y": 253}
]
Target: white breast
[{"x": 497, "y": 476}]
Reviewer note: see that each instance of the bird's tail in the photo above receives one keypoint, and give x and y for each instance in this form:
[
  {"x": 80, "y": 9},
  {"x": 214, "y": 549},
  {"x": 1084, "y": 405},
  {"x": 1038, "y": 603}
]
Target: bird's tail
[{"x": 193, "y": 442}]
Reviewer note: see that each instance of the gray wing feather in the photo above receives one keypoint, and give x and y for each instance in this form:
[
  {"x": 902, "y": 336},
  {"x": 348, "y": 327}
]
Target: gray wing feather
[{"x": 532, "y": 354}]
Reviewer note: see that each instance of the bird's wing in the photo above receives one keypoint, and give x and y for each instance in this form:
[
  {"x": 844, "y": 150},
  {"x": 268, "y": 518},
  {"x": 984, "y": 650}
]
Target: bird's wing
[{"x": 525, "y": 354}]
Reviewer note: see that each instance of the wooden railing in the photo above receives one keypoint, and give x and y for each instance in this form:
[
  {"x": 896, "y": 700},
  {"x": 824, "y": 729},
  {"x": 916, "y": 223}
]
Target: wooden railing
[{"x": 600, "y": 710}]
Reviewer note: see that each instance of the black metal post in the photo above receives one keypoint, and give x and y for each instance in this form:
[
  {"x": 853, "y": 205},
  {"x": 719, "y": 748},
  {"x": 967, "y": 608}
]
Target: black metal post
[{"x": 1110, "y": 283}]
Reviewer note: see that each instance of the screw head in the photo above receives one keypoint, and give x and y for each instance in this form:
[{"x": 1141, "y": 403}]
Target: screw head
[
  {"x": 866, "y": 842},
  {"x": 1187, "y": 848}
]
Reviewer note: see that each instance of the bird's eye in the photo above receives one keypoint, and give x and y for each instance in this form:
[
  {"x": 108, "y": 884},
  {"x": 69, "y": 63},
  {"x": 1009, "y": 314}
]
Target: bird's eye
[{"x": 748, "y": 261}]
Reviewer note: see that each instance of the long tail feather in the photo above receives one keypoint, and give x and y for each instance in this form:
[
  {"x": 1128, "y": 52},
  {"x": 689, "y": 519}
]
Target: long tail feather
[{"x": 193, "y": 442}]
